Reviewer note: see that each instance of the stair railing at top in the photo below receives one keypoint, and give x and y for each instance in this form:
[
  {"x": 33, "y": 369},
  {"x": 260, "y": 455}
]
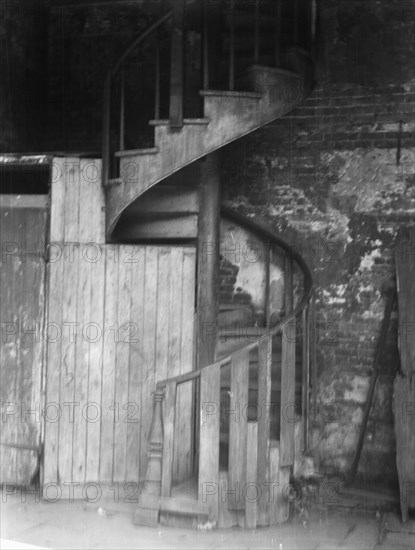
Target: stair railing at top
[
  {"x": 112, "y": 73},
  {"x": 161, "y": 436},
  {"x": 298, "y": 12}
]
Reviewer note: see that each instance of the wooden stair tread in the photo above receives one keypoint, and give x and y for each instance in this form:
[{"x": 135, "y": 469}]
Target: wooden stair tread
[
  {"x": 135, "y": 152},
  {"x": 166, "y": 122},
  {"x": 234, "y": 93}
]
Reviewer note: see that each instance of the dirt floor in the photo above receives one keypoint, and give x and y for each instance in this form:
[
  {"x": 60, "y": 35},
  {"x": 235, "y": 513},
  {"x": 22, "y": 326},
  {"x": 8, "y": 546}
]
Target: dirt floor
[{"x": 78, "y": 524}]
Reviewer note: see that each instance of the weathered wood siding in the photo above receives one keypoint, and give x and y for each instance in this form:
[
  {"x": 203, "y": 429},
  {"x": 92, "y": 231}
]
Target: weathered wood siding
[
  {"x": 22, "y": 273},
  {"x": 133, "y": 305}
]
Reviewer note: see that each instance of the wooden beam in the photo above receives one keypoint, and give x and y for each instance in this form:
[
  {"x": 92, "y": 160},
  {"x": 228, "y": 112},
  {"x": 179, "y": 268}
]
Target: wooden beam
[
  {"x": 169, "y": 424},
  {"x": 176, "y": 66},
  {"x": 208, "y": 256}
]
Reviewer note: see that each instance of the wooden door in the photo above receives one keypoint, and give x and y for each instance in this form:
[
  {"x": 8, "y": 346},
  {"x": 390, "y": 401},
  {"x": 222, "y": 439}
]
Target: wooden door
[{"x": 22, "y": 306}]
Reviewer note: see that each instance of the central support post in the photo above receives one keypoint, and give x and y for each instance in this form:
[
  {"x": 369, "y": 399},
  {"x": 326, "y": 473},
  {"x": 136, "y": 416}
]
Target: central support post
[{"x": 208, "y": 258}]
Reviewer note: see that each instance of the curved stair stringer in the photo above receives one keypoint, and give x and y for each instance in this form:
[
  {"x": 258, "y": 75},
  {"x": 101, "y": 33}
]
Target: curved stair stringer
[
  {"x": 228, "y": 117},
  {"x": 204, "y": 510}
]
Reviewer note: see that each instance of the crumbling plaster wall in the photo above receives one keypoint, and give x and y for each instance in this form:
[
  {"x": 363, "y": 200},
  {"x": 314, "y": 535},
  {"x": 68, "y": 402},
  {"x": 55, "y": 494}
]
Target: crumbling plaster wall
[{"x": 337, "y": 178}]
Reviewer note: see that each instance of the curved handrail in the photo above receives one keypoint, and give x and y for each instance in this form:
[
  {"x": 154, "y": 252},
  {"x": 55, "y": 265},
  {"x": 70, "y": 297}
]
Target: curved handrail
[
  {"x": 106, "y": 101},
  {"x": 147, "y": 32},
  {"x": 264, "y": 231}
]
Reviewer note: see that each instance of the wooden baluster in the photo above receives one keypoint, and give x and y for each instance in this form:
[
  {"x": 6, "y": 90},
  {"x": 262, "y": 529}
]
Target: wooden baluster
[
  {"x": 176, "y": 66},
  {"x": 256, "y": 32},
  {"x": 205, "y": 46},
  {"x": 152, "y": 484},
  {"x": 122, "y": 110},
  {"x": 232, "y": 47},
  {"x": 305, "y": 377},
  {"x": 278, "y": 34},
  {"x": 168, "y": 444},
  {"x": 106, "y": 127},
  {"x": 267, "y": 307},
  {"x": 157, "y": 79},
  {"x": 296, "y": 24},
  {"x": 251, "y": 509},
  {"x": 238, "y": 426}
]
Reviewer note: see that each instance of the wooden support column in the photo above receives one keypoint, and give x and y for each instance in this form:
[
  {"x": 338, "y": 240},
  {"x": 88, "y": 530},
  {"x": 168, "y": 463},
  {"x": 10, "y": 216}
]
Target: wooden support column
[
  {"x": 176, "y": 66},
  {"x": 208, "y": 258}
]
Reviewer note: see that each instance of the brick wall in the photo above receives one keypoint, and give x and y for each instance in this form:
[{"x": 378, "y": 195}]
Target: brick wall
[{"x": 337, "y": 178}]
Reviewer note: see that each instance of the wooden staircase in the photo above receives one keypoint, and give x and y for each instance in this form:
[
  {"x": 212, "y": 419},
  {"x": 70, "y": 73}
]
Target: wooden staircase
[{"x": 250, "y": 405}]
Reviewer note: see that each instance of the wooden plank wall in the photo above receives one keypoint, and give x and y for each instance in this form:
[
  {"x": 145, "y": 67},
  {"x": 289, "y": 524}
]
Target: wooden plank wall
[
  {"x": 22, "y": 229},
  {"x": 134, "y": 306}
]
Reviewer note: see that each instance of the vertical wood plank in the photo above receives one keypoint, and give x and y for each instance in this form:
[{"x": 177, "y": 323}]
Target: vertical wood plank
[
  {"x": 86, "y": 207},
  {"x": 187, "y": 363},
  {"x": 136, "y": 361},
  {"x": 168, "y": 443},
  {"x": 83, "y": 312},
  {"x": 95, "y": 367},
  {"x": 92, "y": 168},
  {"x": 175, "y": 340},
  {"x": 208, "y": 489},
  {"x": 279, "y": 480},
  {"x": 251, "y": 504},
  {"x": 148, "y": 366},
  {"x": 54, "y": 291},
  {"x": 57, "y": 202},
  {"x": 121, "y": 373},
  {"x": 238, "y": 427},
  {"x": 109, "y": 364},
  {"x": 264, "y": 404},
  {"x": 68, "y": 399},
  {"x": 53, "y": 365},
  {"x": 166, "y": 312},
  {"x": 72, "y": 199}
]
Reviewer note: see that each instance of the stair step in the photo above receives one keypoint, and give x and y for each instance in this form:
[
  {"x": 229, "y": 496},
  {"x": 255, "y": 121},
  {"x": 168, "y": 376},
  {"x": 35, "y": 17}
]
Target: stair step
[
  {"x": 166, "y": 121},
  {"x": 234, "y": 93},
  {"x": 135, "y": 152}
]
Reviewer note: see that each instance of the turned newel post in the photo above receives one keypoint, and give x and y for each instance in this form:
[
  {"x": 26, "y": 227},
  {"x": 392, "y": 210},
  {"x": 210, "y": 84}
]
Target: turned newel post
[{"x": 152, "y": 484}]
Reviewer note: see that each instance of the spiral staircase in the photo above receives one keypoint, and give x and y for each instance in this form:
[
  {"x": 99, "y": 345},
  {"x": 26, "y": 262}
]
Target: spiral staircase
[{"x": 253, "y": 64}]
